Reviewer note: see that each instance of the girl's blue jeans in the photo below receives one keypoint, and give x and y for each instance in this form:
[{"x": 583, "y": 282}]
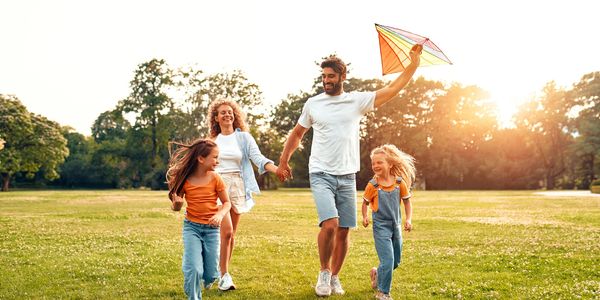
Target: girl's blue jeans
[{"x": 200, "y": 262}]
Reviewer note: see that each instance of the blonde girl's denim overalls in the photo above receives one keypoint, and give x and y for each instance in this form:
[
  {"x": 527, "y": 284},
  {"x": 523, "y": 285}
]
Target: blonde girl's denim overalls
[{"x": 387, "y": 234}]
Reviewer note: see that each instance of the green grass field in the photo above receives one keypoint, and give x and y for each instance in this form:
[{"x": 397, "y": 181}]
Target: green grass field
[{"x": 127, "y": 245}]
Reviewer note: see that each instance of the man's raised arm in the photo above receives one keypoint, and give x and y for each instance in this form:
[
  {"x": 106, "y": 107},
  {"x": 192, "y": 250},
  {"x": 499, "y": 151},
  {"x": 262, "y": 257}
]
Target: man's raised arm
[{"x": 386, "y": 94}]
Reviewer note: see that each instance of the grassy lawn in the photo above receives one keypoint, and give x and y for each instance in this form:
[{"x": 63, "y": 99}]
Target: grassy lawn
[{"x": 127, "y": 245}]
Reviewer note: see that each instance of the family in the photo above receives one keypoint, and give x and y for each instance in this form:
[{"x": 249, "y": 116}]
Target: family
[{"x": 214, "y": 177}]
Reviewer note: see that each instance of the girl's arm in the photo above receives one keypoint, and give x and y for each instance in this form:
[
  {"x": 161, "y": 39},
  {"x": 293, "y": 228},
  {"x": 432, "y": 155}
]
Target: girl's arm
[
  {"x": 218, "y": 217},
  {"x": 364, "y": 213},
  {"x": 176, "y": 202},
  {"x": 408, "y": 213}
]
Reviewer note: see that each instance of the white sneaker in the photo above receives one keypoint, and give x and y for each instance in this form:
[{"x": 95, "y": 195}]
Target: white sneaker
[
  {"x": 226, "y": 283},
  {"x": 381, "y": 296},
  {"x": 336, "y": 286},
  {"x": 323, "y": 287}
]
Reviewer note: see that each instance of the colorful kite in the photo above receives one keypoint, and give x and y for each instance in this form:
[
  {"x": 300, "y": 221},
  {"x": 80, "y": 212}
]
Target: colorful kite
[{"x": 395, "y": 45}]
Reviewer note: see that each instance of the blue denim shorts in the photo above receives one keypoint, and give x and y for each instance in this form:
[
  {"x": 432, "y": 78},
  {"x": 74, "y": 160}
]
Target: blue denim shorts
[{"x": 335, "y": 197}]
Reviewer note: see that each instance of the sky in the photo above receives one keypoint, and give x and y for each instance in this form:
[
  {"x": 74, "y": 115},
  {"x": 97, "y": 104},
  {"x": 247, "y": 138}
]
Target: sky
[{"x": 72, "y": 60}]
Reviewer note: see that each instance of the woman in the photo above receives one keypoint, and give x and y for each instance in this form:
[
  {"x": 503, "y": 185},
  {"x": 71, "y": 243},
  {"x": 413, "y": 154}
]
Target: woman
[{"x": 237, "y": 148}]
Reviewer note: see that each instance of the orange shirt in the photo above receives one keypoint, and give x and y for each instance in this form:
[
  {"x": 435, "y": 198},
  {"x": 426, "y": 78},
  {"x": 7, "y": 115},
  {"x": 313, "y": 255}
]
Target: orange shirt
[
  {"x": 371, "y": 195},
  {"x": 202, "y": 199}
]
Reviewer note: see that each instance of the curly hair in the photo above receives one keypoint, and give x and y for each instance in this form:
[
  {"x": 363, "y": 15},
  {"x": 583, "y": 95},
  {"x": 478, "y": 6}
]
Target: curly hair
[
  {"x": 335, "y": 63},
  {"x": 184, "y": 161},
  {"x": 239, "y": 118},
  {"x": 402, "y": 164}
]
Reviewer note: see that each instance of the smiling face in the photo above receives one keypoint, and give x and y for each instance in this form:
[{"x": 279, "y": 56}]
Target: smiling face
[
  {"x": 380, "y": 165},
  {"x": 211, "y": 161},
  {"x": 225, "y": 115},
  {"x": 332, "y": 81}
]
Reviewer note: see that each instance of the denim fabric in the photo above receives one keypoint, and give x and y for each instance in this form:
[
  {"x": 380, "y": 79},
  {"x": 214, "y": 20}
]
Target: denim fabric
[
  {"x": 200, "y": 262},
  {"x": 335, "y": 197},
  {"x": 250, "y": 152},
  {"x": 388, "y": 237}
]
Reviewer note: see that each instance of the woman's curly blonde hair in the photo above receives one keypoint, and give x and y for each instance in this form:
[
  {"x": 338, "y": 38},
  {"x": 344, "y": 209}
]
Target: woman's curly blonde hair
[
  {"x": 238, "y": 116},
  {"x": 401, "y": 164}
]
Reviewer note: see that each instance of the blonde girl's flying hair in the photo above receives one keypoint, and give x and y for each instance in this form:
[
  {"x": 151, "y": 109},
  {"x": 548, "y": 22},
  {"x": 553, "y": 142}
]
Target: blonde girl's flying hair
[{"x": 401, "y": 164}]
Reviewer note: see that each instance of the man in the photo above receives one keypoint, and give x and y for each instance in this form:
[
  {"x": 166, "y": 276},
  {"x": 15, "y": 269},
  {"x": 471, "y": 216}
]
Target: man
[{"x": 335, "y": 159}]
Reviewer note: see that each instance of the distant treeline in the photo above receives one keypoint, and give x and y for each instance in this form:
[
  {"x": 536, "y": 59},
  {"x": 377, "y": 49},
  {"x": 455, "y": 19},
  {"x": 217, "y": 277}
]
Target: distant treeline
[{"x": 452, "y": 130}]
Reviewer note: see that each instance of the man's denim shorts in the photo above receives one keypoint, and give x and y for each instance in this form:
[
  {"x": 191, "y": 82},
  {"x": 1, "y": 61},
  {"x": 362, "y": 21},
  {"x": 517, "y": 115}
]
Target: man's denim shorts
[{"x": 335, "y": 197}]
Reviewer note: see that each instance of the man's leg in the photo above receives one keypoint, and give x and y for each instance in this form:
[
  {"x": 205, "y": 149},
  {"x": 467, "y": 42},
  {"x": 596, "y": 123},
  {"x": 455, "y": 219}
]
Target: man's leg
[
  {"x": 345, "y": 200},
  {"x": 322, "y": 186},
  {"x": 326, "y": 242},
  {"x": 340, "y": 249}
]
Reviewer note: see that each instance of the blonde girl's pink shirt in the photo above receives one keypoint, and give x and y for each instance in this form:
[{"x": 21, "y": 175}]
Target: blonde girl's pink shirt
[{"x": 202, "y": 199}]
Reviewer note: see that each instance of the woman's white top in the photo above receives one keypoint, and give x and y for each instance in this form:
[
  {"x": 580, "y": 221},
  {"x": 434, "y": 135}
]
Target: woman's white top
[{"x": 230, "y": 155}]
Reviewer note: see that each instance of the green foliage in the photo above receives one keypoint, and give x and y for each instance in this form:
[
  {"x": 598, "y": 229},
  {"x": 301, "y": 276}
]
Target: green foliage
[
  {"x": 595, "y": 182},
  {"x": 471, "y": 245},
  {"x": 33, "y": 143},
  {"x": 546, "y": 121}
]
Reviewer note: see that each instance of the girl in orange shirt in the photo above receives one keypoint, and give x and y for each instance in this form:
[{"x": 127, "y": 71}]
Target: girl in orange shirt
[
  {"x": 191, "y": 176},
  {"x": 394, "y": 174}
]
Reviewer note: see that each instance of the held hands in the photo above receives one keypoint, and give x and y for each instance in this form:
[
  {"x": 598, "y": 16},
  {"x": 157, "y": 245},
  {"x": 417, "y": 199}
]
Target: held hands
[
  {"x": 408, "y": 225},
  {"x": 176, "y": 202},
  {"x": 284, "y": 172}
]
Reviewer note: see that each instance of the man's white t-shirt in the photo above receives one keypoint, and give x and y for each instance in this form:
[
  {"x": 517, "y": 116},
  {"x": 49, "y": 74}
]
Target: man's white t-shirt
[{"x": 336, "y": 122}]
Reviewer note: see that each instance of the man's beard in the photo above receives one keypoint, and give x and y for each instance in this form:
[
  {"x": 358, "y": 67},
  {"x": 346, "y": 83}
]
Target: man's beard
[{"x": 337, "y": 87}]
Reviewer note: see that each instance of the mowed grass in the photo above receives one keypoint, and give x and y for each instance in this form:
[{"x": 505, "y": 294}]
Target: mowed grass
[{"x": 127, "y": 245}]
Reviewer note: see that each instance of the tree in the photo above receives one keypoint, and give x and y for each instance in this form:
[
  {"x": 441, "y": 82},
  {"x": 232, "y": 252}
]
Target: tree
[
  {"x": 462, "y": 120},
  {"x": 33, "y": 143},
  {"x": 586, "y": 96},
  {"x": 149, "y": 99},
  {"x": 546, "y": 121}
]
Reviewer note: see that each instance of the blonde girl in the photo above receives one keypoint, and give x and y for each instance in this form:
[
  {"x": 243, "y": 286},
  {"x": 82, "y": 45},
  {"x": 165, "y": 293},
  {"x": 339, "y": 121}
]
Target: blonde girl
[
  {"x": 394, "y": 174},
  {"x": 192, "y": 178}
]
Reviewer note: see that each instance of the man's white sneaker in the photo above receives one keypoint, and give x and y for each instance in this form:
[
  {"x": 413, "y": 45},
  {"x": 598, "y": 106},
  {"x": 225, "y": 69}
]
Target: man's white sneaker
[
  {"x": 226, "y": 283},
  {"x": 336, "y": 286},
  {"x": 323, "y": 287}
]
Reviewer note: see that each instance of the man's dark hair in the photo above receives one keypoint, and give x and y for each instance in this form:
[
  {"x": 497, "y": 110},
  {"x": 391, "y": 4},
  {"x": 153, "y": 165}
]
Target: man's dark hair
[{"x": 335, "y": 63}]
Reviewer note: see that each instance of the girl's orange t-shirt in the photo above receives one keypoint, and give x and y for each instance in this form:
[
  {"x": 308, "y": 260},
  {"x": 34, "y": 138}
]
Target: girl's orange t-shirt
[{"x": 202, "y": 199}]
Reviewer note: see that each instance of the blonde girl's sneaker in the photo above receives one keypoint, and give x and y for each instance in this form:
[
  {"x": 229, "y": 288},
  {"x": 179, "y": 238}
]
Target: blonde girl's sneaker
[
  {"x": 382, "y": 296},
  {"x": 336, "y": 285},
  {"x": 226, "y": 283},
  {"x": 373, "y": 275},
  {"x": 323, "y": 287}
]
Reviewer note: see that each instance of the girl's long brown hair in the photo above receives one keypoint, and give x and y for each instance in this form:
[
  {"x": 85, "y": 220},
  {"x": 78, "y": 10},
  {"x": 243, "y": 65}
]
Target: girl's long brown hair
[
  {"x": 401, "y": 164},
  {"x": 184, "y": 161},
  {"x": 238, "y": 116}
]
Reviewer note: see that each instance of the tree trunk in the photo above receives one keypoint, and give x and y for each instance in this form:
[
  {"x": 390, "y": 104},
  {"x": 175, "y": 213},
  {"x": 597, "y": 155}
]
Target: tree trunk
[
  {"x": 5, "y": 181},
  {"x": 549, "y": 182}
]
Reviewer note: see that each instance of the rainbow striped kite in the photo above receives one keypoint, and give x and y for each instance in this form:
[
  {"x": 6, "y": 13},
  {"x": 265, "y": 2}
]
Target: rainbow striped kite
[{"x": 395, "y": 45}]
